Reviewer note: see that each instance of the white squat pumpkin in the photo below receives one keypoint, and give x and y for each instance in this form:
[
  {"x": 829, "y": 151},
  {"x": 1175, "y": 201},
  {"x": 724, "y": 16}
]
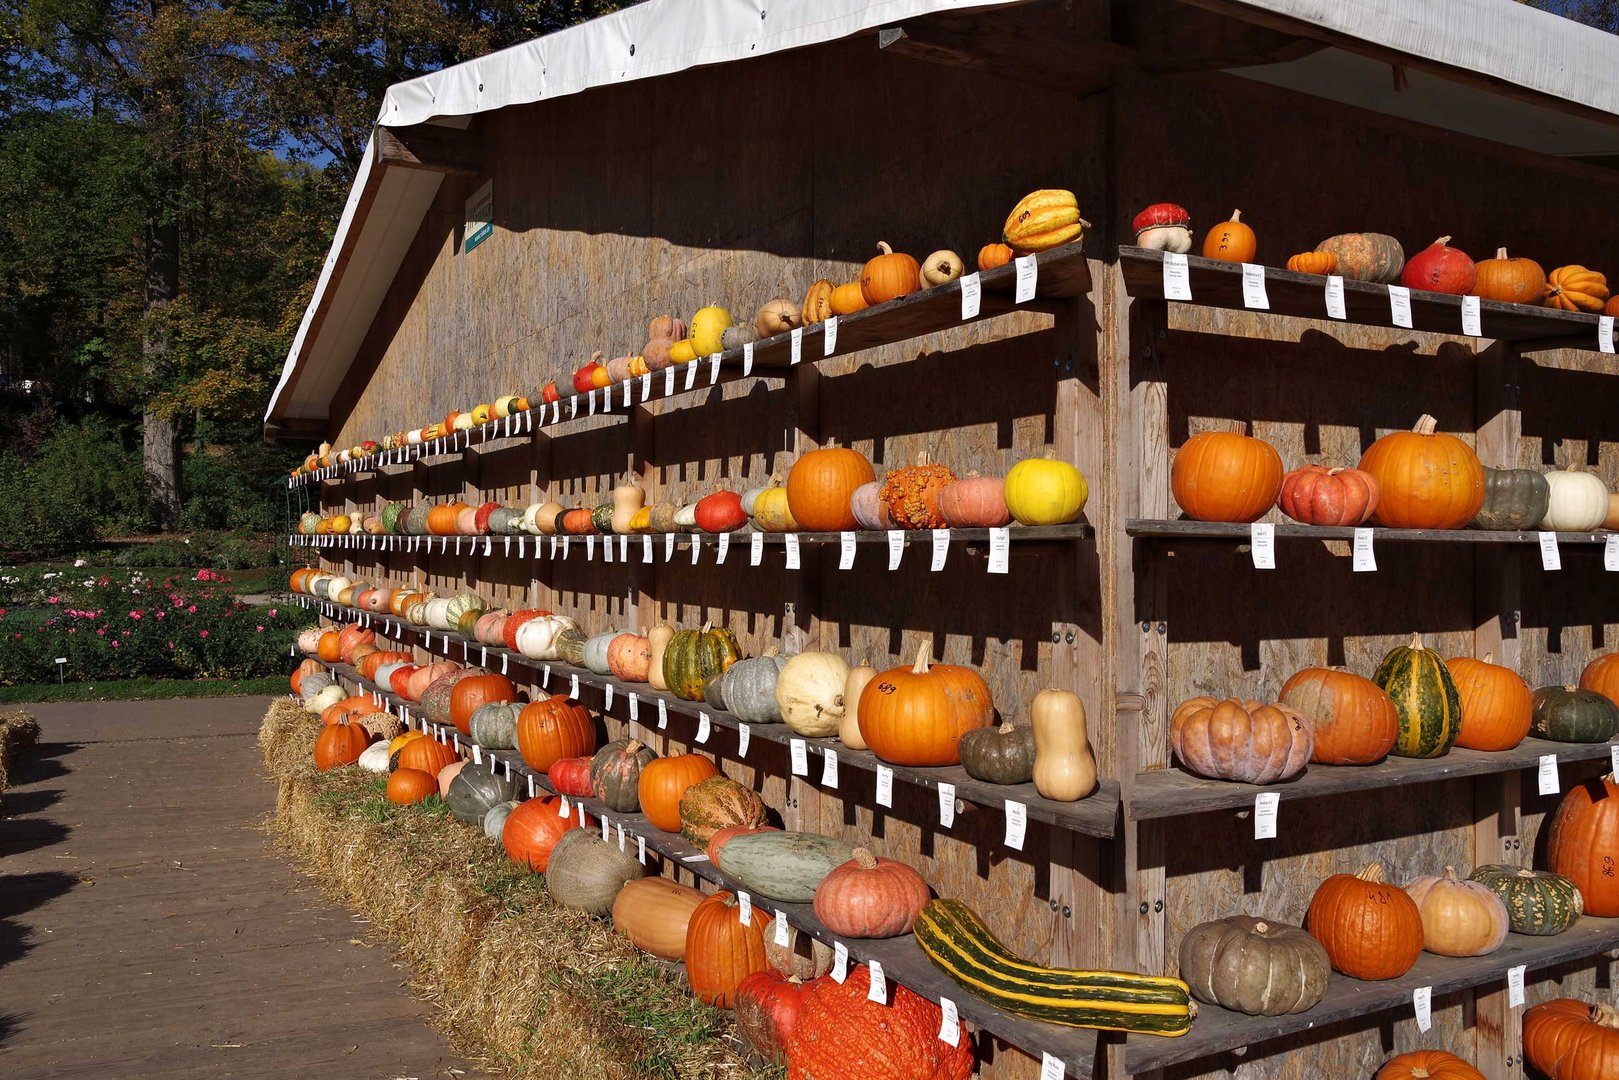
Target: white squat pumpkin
[
  {"x": 375, "y": 757},
  {"x": 325, "y": 698},
  {"x": 1578, "y": 502},
  {"x": 809, "y": 692},
  {"x": 537, "y": 638}
]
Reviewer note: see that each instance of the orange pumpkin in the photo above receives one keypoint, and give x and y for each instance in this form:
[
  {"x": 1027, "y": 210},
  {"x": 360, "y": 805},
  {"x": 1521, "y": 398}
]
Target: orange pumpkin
[
  {"x": 1313, "y": 262},
  {"x": 475, "y": 691},
  {"x": 1429, "y": 480},
  {"x": 1429, "y": 1064},
  {"x": 629, "y": 657},
  {"x": 352, "y": 637},
  {"x": 1512, "y": 281},
  {"x": 916, "y": 715},
  {"x": 1370, "y": 929},
  {"x": 340, "y": 744},
  {"x": 441, "y": 520},
  {"x": 330, "y": 648},
  {"x": 848, "y": 299},
  {"x": 1602, "y": 675},
  {"x": 992, "y": 255},
  {"x": 1583, "y": 844},
  {"x": 912, "y": 494},
  {"x": 1226, "y": 476},
  {"x": 1497, "y": 705},
  {"x": 889, "y": 276},
  {"x": 721, "y": 951},
  {"x": 664, "y": 781},
  {"x": 533, "y": 828},
  {"x": 349, "y": 709},
  {"x": 1575, "y": 288},
  {"x": 428, "y": 755},
  {"x": 820, "y": 485},
  {"x": 553, "y": 728},
  {"x": 1572, "y": 1040},
  {"x": 1231, "y": 241},
  {"x": 1356, "y": 723},
  {"x": 409, "y": 786}
]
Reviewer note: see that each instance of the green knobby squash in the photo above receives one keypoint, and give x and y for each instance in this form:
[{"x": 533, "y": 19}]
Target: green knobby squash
[
  {"x": 570, "y": 646},
  {"x": 475, "y": 789},
  {"x": 1003, "y": 755},
  {"x": 615, "y": 774},
  {"x": 693, "y": 656},
  {"x": 1515, "y": 500},
  {"x": 1425, "y": 697},
  {"x": 506, "y": 521},
  {"x": 783, "y": 865},
  {"x": 586, "y": 873},
  {"x": 460, "y": 605},
  {"x": 1538, "y": 902},
  {"x": 494, "y": 822},
  {"x": 750, "y": 689},
  {"x": 494, "y": 725},
  {"x": 595, "y": 652},
  {"x": 1570, "y": 714},
  {"x": 414, "y": 521},
  {"x": 718, "y": 803},
  {"x": 391, "y": 513}
]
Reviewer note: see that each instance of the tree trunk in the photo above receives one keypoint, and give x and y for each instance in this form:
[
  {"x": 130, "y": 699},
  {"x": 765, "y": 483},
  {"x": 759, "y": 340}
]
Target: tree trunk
[{"x": 160, "y": 438}]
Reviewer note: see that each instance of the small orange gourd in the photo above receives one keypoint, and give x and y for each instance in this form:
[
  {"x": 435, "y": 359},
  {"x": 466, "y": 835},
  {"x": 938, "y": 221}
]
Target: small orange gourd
[{"x": 1231, "y": 241}]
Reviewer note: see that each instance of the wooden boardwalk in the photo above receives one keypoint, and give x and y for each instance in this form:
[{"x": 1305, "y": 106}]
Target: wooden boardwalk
[{"x": 147, "y": 929}]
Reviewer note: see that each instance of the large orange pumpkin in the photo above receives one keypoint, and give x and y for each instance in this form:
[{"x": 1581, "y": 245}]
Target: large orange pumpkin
[
  {"x": 441, "y": 520},
  {"x": 426, "y": 675},
  {"x": 475, "y": 691},
  {"x": 1370, "y": 929},
  {"x": 664, "y": 780},
  {"x": 1572, "y": 1040},
  {"x": 340, "y": 744},
  {"x": 1428, "y": 1065},
  {"x": 533, "y": 828},
  {"x": 347, "y": 710},
  {"x": 1497, "y": 705},
  {"x": 840, "y": 1033},
  {"x": 428, "y": 755},
  {"x": 1602, "y": 675},
  {"x": 553, "y": 728},
  {"x": 1429, "y": 480},
  {"x": 820, "y": 485},
  {"x": 1225, "y": 476},
  {"x": 329, "y": 649},
  {"x": 720, "y": 951},
  {"x": 916, "y": 715},
  {"x": 1583, "y": 844},
  {"x": 1356, "y": 723},
  {"x": 409, "y": 786},
  {"x": 889, "y": 276},
  {"x": 352, "y": 637}
]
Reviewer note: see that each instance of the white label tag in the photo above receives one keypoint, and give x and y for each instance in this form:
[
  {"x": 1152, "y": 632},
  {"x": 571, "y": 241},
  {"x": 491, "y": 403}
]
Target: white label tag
[
  {"x": 669, "y": 380},
  {"x": 1515, "y": 997},
  {"x": 579, "y": 806},
  {"x": 885, "y": 786},
  {"x": 829, "y": 336},
  {"x": 829, "y": 767},
  {"x": 1262, "y": 542},
  {"x": 878, "y": 990},
  {"x": 1422, "y": 1002},
  {"x": 703, "y": 727},
  {"x": 696, "y": 548},
  {"x": 545, "y": 677},
  {"x": 800, "y": 756},
  {"x": 1177, "y": 278},
  {"x": 941, "y": 549},
  {"x": 646, "y": 547},
  {"x": 506, "y": 546},
  {"x": 1605, "y": 333},
  {"x": 1028, "y": 272},
  {"x": 564, "y": 809},
  {"x": 783, "y": 931},
  {"x": 756, "y": 548},
  {"x": 1000, "y": 545},
  {"x": 947, "y": 805},
  {"x": 607, "y": 549},
  {"x": 668, "y": 546},
  {"x": 640, "y": 850},
  {"x": 1548, "y": 774},
  {"x": 635, "y": 706},
  {"x": 556, "y": 411},
  {"x": 483, "y": 660},
  {"x": 1266, "y": 804},
  {"x": 566, "y": 540},
  {"x": 607, "y": 696},
  {"x": 747, "y": 359},
  {"x": 1017, "y": 824},
  {"x": 531, "y": 785},
  {"x": 1550, "y": 557},
  {"x": 573, "y": 406},
  {"x": 1365, "y": 559},
  {"x": 663, "y": 713},
  {"x": 744, "y": 904},
  {"x": 790, "y": 543},
  {"x": 1052, "y": 1068},
  {"x": 1253, "y": 287},
  {"x": 744, "y": 736},
  {"x": 1472, "y": 321},
  {"x": 721, "y": 546},
  {"x": 573, "y": 687},
  {"x": 691, "y": 375},
  {"x": 521, "y": 541},
  {"x": 797, "y": 337},
  {"x": 606, "y": 829},
  {"x": 714, "y": 369},
  {"x": 845, "y": 550},
  {"x": 646, "y": 387},
  {"x": 896, "y": 548},
  {"x": 1335, "y": 298},
  {"x": 590, "y": 547},
  {"x": 504, "y": 662},
  {"x": 1400, "y": 312},
  {"x": 949, "y": 1022},
  {"x": 477, "y": 756},
  {"x": 621, "y": 837},
  {"x": 607, "y": 399},
  {"x": 623, "y": 548},
  {"x": 840, "y": 962},
  {"x": 972, "y": 292}
]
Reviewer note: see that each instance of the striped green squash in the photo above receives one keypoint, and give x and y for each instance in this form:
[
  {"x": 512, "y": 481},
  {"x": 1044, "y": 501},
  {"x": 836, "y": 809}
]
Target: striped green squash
[
  {"x": 1425, "y": 697},
  {"x": 962, "y": 946},
  {"x": 1538, "y": 902}
]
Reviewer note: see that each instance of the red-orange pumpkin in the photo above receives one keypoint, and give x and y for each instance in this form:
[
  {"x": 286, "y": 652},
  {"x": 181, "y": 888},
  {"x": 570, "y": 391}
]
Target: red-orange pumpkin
[
  {"x": 1572, "y": 1040},
  {"x": 870, "y": 897},
  {"x": 570, "y": 776},
  {"x": 428, "y": 755},
  {"x": 1497, "y": 705},
  {"x": 840, "y": 1033},
  {"x": 916, "y": 715},
  {"x": 1356, "y": 723},
  {"x": 663, "y": 782},
  {"x": 767, "y": 1005},
  {"x": 514, "y": 621},
  {"x": 1370, "y": 929},
  {"x": 912, "y": 494},
  {"x": 1602, "y": 675},
  {"x": 409, "y": 786},
  {"x": 821, "y": 485},
  {"x": 533, "y": 828},
  {"x": 629, "y": 657},
  {"x": 1583, "y": 844},
  {"x": 720, "y": 951},
  {"x": 1317, "y": 495},
  {"x": 1225, "y": 476},
  {"x": 553, "y": 728},
  {"x": 470, "y": 694},
  {"x": 975, "y": 502},
  {"x": 340, "y": 744},
  {"x": 1428, "y": 1065}
]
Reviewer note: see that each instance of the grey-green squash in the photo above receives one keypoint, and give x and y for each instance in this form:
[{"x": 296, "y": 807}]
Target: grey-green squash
[
  {"x": 783, "y": 865},
  {"x": 1254, "y": 966},
  {"x": 1538, "y": 902},
  {"x": 494, "y": 725},
  {"x": 1003, "y": 755},
  {"x": 570, "y": 646},
  {"x": 495, "y": 820},
  {"x": 595, "y": 652},
  {"x": 615, "y": 774},
  {"x": 475, "y": 789},
  {"x": 1570, "y": 714},
  {"x": 586, "y": 873},
  {"x": 750, "y": 689},
  {"x": 1514, "y": 500}
]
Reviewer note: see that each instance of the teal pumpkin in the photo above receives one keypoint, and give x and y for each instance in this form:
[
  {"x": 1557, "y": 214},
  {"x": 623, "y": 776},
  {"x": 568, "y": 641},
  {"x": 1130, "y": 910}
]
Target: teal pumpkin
[
  {"x": 1425, "y": 698},
  {"x": 476, "y": 790},
  {"x": 1570, "y": 714}
]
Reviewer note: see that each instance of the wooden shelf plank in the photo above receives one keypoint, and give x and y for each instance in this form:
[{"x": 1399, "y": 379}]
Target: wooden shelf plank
[
  {"x": 1217, "y": 1030},
  {"x": 1174, "y": 792},
  {"x": 902, "y": 959},
  {"x": 1185, "y": 529},
  {"x": 1219, "y": 284},
  {"x": 1097, "y": 815}
]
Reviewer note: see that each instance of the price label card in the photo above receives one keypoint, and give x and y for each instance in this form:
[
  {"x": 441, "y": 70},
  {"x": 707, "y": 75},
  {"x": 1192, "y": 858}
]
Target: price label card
[
  {"x": 1472, "y": 317},
  {"x": 484, "y": 662},
  {"x": 721, "y": 546},
  {"x": 1515, "y": 997},
  {"x": 1400, "y": 308},
  {"x": 506, "y": 546},
  {"x": 800, "y": 756},
  {"x": 531, "y": 785},
  {"x": 1028, "y": 272},
  {"x": 564, "y": 809},
  {"x": 607, "y": 696},
  {"x": 545, "y": 676},
  {"x": 1266, "y": 804},
  {"x": 505, "y": 662},
  {"x": 885, "y": 786},
  {"x": 714, "y": 369},
  {"x": 573, "y": 687},
  {"x": 579, "y": 806},
  {"x": 573, "y": 406},
  {"x": 972, "y": 291},
  {"x": 646, "y": 547},
  {"x": 1262, "y": 542},
  {"x": 565, "y": 542},
  {"x": 621, "y": 837},
  {"x": 646, "y": 387},
  {"x": 829, "y": 767},
  {"x": 477, "y": 756},
  {"x": 606, "y": 829},
  {"x": 840, "y": 962},
  {"x": 947, "y": 805},
  {"x": 691, "y": 375},
  {"x": 668, "y": 546},
  {"x": 744, "y": 904},
  {"x": 744, "y": 736},
  {"x": 520, "y": 544},
  {"x": 756, "y": 548},
  {"x": 1422, "y": 1002},
  {"x": 1017, "y": 824},
  {"x": 590, "y": 547},
  {"x": 896, "y": 548},
  {"x": 878, "y": 990},
  {"x": 949, "y": 1022},
  {"x": 1000, "y": 547},
  {"x": 669, "y": 380},
  {"x": 1335, "y": 298},
  {"x": 941, "y": 549},
  {"x": 783, "y": 931},
  {"x": 747, "y": 359},
  {"x": 607, "y": 549},
  {"x": 663, "y": 713},
  {"x": 1052, "y": 1068},
  {"x": 790, "y": 543},
  {"x": 623, "y": 548},
  {"x": 640, "y": 845},
  {"x": 1177, "y": 277},
  {"x": 635, "y": 706},
  {"x": 845, "y": 550},
  {"x": 1550, "y": 557},
  {"x": 1548, "y": 774},
  {"x": 1610, "y": 553},
  {"x": 1365, "y": 560},
  {"x": 703, "y": 727},
  {"x": 1253, "y": 287},
  {"x": 696, "y": 548},
  {"x": 1613, "y": 759},
  {"x": 797, "y": 337},
  {"x": 556, "y": 411},
  {"x": 1605, "y": 333},
  {"x": 607, "y": 399},
  {"x": 829, "y": 336}
]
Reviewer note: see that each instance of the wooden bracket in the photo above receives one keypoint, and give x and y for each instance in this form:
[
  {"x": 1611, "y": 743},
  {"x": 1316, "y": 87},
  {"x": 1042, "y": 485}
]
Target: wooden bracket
[
  {"x": 433, "y": 148},
  {"x": 1024, "y": 50}
]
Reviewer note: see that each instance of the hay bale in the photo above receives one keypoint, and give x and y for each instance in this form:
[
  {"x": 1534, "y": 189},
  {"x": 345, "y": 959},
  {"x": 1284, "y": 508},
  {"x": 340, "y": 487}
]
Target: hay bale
[{"x": 19, "y": 733}]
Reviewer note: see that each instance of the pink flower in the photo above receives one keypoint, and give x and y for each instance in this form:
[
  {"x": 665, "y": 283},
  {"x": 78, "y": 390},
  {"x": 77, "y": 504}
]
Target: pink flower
[
  {"x": 134, "y": 615},
  {"x": 202, "y": 633},
  {"x": 54, "y": 600},
  {"x": 115, "y": 644},
  {"x": 160, "y": 614},
  {"x": 192, "y": 609},
  {"x": 272, "y": 613},
  {"x": 260, "y": 629},
  {"x": 101, "y": 631}
]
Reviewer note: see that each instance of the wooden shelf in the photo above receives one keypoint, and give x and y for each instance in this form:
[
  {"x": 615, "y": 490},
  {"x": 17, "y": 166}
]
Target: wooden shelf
[
  {"x": 1219, "y": 284},
  {"x": 902, "y": 959},
  {"x": 1184, "y": 529},
  {"x": 1063, "y": 274},
  {"x": 1217, "y": 1030},
  {"x": 1174, "y": 792},
  {"x": 1097, "y": 815}
]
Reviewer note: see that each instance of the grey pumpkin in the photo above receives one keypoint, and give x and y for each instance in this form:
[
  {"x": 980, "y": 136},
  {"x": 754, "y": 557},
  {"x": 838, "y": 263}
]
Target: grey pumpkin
[
  {"x": 1569, "y": 714},
  {"x": 494, "y": 822},
  {"x": 475, "y": 789},
  {"x": 1003, "y": 755},
  {"x": 1254, "y": 966},
  {"x": 586, "y": 874},
  {"x": 783, "y": 865},
  {"x": 1514, "y": 500},
  {"x": 714, "y": 690},
  {"x": 615, "y": 774},
  {"x": 750, "y": 689},
  {"x": 506, "y": 521},
  {"x": 494, "y": 726},
  {"x": 595, "y": 653}
]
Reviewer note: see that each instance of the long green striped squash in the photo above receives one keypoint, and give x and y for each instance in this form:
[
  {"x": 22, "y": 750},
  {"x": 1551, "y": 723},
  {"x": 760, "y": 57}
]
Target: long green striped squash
[
  {"x": 962, "y": 946},
  {"x": 1425, "y": 697}
]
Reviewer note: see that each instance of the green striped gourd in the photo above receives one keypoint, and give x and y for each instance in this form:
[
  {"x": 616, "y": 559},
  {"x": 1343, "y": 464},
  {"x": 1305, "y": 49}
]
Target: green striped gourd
[
  {"x": 694, "y": 656},
  {"x": 1425, "y": 697},
  {"x": 1538, "y": 902},
  {"x": 961, "y": 945}
]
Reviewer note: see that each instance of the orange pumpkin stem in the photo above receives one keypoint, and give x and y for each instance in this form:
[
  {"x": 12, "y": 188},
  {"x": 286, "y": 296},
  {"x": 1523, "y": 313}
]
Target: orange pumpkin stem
[
  {"x": 1489, "y": 658},
  {"x": 1442, "y": 241},
  {"x": 1416, "y": 641},
  {"x": 882, "y": 246},
  {"x": 1236, "y": 215},
  {"x": 1261, "y": 927},
  {"x": 924, "y": 658},
  {"x": 1605, "y": 1016},
  {"x": 1500, "y": 253}
]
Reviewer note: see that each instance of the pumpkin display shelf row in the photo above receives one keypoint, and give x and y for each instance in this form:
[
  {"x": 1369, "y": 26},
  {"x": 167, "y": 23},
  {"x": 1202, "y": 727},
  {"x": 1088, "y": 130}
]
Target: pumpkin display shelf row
[
  {"x": 1170, "y": 529},
  {"x": 1216, "y": 283},
  {"x": 1061, "y": 275},
  {"x": 902, "y": 960},
  {"x": 1095, "y": 815}
]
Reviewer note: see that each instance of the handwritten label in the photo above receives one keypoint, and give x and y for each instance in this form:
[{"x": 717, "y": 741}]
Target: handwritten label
[
  {"x": 829, "y": 767},
  {"x": 797, "y": 338},
  {"x": 800, "y": 756},
  {"x": 1177, "y": 277},
  {"x": 1610, "y": 552},
  {"x": 744, "y": 904},
  {"x": 1400, "y": 312},
  {"x": 1365, "y": 559},
  {"x": 669, "y": 380},
  {"x": 878, "y": 990},
  {"x": 691, "y": 374},
  {"x": 573, "y": 687},
  {"x": 1051, "y": 1067},
  {"x": 1550, "y": 557},
  {"x": 714, "y": 369},
  {"x": 829, "y": 336},
  {"x": 635, "y": 706},
  {"x": 1472, "y": 320},
  {"x": 744, "y": 736},
  {"x": 947, "y": 805},
  {"x": 896, "y": 548},
  {"x": 621, "y": 837},
  {"x": 1028, "y": 272},
  {"x": 640, "y": 844},
  {"x": 756, "y": 548},
  {"x": 721, "y": 545},
  {"x": 1253, "y": 287},
  {"x": 606, "y": 829},
  {"x": 747, "y": 359},
  {"x": 668, "y": 546},
  {"x": 1017, "y": 824},
  {"x": 1262, "y": 542},
  {"x": 972, "y": 291},
  {"x": 696, "y": 548},
  {"x": 1605, "y": 333},
  {"x": 1266, "y": 804},
  {"x": 1515, "y": 996},
  {"x": 885, "y": 786},
  {"x": 1422, "y": 1002},
  {"x": 1548, "y": 774},
  {"x": 607, "y": 696},
  {"x": 590, "y": 547},
  {"x": 790, "y": 543},
  {"x": 646, "y": 387},
  {"x": 783, "y": 931},
  {"x": 840, "y": 962},
  {"x": 646, "y": 548},
  {"x": 941, "y": 549},
  {"x": 703, "y": 727},
  {"x": 845, "y": 550},
  {"x": 1000, "y": 545},
  {"x": 949, "y": 1022}
]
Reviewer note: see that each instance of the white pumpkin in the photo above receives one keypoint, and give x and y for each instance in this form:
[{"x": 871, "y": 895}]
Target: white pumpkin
[
  {"x": 686, "y": 516},
  {"x": 809, "y": 692},
  {"x": 375, "y": 757},
  {"x": 438, "y": 613},
  {"x": 413, "y": 437},
  {"x": 1578, "y": 502},
  {"x": 336, "y": 586},
  {"x": 325, "y": 698},
  {"x": 385, "y": 674},
  {"x": 537, "y": 638},
  {"x": 309, "y": 639}
]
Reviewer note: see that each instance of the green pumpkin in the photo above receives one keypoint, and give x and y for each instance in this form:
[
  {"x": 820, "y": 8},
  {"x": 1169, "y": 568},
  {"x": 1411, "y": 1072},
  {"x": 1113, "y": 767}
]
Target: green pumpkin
[
  {"x": 414, "y": 521},
  {"x": 1537, "y": 902},
  {"x": 506, "y": 521},
  {"x": 1569, "y": 714},
  {"x": 783, "y": 865},
  {"x": 694, "y": 656},
  {"x": 494, "y": 822},
  {"x": 1424, "y": 696},
  {"x": 467, "y": 623},
  {"x": 391, "y": 513},
  {"x": 615, "y": 774},
  {"x": 750, "y": 689},
  {"x": 308, "y": 523},
  {"x": 1514, "y": 500},
  {"x": 601, "y": 518},
  {"x": 1003, "y": 755},
  {"x": 595, "y": 652},
  {"x": 476, "y": 790},
  {"x": 457, "y": 606},
  {"x": 570, "y": 645},
  {"x": 494, "y": 725}
]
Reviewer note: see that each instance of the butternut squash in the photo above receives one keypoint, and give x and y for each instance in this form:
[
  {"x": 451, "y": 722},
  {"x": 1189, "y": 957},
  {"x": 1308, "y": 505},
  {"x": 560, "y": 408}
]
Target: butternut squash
[
  {"x": 849, "y": 728},
  {"x": 1064, "y": 767},
  {"x": 658, "y": 638},
  {"x": 628, "y": 500}
]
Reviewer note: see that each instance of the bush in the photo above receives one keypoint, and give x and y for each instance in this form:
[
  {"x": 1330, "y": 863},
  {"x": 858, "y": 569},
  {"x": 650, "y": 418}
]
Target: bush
[
  {"x": 82, "y": 480},
  {"x": 239, "y": 550}
]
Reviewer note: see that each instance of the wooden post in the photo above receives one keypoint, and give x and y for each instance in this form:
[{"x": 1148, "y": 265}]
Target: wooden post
[{"x": 803, "y": 809}]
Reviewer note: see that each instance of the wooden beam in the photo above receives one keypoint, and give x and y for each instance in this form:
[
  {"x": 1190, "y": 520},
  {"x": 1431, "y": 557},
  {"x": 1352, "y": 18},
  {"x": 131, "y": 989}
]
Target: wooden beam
[
  {"x": 1173, "y": 37},
  {"x": 1027, "y": 47},
  {"x": 295, "y": 429},
  {"x": 433, "y": 148}
]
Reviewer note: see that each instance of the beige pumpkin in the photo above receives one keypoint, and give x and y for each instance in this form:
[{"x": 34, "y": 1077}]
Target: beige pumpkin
[
  {"x": 809, "y": 692},
  {"x": 1459, "y": 918},
  {"x": 545, "y": 518},
  {"x": 658, "y": 639},
  {"x": 628, "y": 498},
  {"x": 1064, "y": 766},
  {"x": 777, "y": 317},
  {"x": 941, "y": 267},
  {"x": 853, "y": 687}
]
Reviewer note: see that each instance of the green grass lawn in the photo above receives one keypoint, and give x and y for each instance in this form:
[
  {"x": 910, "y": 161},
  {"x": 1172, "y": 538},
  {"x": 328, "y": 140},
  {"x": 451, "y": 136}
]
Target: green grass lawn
[{"x": 143, "y": 689}]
